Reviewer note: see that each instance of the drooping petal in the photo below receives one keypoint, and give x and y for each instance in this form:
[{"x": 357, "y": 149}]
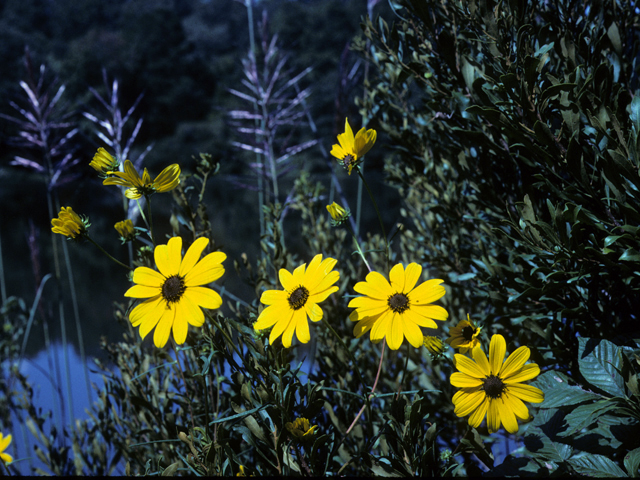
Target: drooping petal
[
  {"x": 302, "y": 327},
  {"x": 493, "y": 416},
  {"x": 395, "y": 332},
  {"x": 168, "y": 179},
  {"x": 281, "y": 324},
  {"x": 468, "y": 401},
  {"x": 163, "y": 329},
  {"x": 151, "y": 310},
  {"x": 180, "y": 324},
  {"x": 193, "y": 254},
  {"x": 411, "y": 331},
  {"x": 270, "y": 316},
  {"x": 382, "y": 326}
]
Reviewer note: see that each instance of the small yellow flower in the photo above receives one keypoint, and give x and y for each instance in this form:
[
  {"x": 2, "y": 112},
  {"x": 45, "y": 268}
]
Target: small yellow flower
[
  {"x": 241, "y": 472},
  {"x": 301, "y": 430},
  {"x": 351, "y": 149},
  {"x": 494, "y": 387},
  {"x": 168, "y": 179},
  {"x": 338, "y": 214},
  {"x": 4, "y": 444},
  {"x": 464, "y": 336},
  {"x": 398, "y": 309},
  {"x": 435, "y": 346},
  {"x": 69, "y": 224},
  {"x": 104, "y": 163},
  {"x": 176, "y": 294},
  {"x": 126, "y": 230},
  {"x": 288, "y": 310}
]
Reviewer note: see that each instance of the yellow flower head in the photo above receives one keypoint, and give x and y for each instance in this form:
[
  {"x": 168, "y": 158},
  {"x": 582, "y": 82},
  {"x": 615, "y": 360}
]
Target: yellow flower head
[
  {"x": 301, "y": 430},
  {"x": 494, "y": 388},
  {"x": 398, "y": 309},
  {"x": 104, "y": 163},
  {"x": 69, "y": 224},
  {"x": 168, "y": 179},
  {"x": 435, "y": 346},
  {"x": 176, "y": 293},
  {"x": 464, "y": 336},
  {"x": 126, "y": 230},
  {"x": 4, "y": 444},
  {"x": 351, "y": 149},
  {"x": 288, "y": 309},
  {"x": 338, "y": 214}
]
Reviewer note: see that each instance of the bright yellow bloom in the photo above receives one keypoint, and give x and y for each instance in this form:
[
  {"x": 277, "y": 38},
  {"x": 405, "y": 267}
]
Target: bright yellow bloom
[
  {"x": 4, "y": 444},
  {"x": 103, "y": 162},
  {"x": 288, "y": 309},
  {"x": 175, "y": 295},
  {"x": 301, "y": 429},
  {"x": 464, "y": 336},
  {"x": 69, "y": 224},
  {"x": 168, "y": 179},
  {"x": 493, "y": 388},
  {"x": 338, "y": 214},
  {"x": 126, "y": 230},
  {"x": 397, "y": 310},
  {"x": 352, "y": 149},
  {"x": 435, "y": 346}
]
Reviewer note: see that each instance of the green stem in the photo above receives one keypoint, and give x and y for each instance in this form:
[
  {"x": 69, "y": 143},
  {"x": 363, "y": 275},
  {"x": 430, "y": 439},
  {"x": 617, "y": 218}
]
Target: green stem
[
  {"x": 375, "y": 205},
  {"x": 148, "y": 199},
  {"x": 107, "y": 254},
  {"x": 404, "y": 372},
  {"x": 358, "y": 248}
]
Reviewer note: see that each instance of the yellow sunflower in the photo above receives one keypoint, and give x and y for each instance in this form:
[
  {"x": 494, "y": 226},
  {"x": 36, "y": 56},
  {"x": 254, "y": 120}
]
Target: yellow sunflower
[
  {"x": 397, "y": 310},
  {"x": 168, "y": 179},
  {"x": 176, "y": 294},
  {"x": 493, "y": 388},
  {"x": 288, "y": 309},
  {"x": 301, "y": 430},
  {"x": 69, "y": 224},
  {"x": 351, "y": 149},
  {"x": 464, "y": 336},
  {"x": 4, "y": 444}
]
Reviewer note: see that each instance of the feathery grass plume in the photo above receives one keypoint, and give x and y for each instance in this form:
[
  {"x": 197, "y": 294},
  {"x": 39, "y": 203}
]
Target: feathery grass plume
[{"x": 275, "y": 114}]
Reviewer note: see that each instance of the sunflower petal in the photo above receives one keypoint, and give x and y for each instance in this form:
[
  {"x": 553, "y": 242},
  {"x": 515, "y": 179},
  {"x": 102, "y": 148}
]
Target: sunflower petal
[
  {"x": 497, "y": 350},
  {"x": 163, "y": 329},
  {"x": 193, "y": 254},
  {"x": 148, "y": 277}
]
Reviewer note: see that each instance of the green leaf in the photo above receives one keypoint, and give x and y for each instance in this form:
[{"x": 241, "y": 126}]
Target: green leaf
[
  {"x": 600, "y": 363},
  {"x": 632, "y": 462},
  {"x": 558, "y": 392},
  {"x": 585, "y": 415},
  {"x": 630, "y": 255},
  {"x": 597, "y": 466},
  {"x": 541, "y": 446}
]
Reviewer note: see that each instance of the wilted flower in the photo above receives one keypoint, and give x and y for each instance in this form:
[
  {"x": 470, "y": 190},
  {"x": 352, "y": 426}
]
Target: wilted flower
[
  {"x": 398, "y": 309},
  {"x": 168, "y": 179},
  {"x": 351, "y": 149},
  {"x": 69, "y": 224},
  {"x": 288, "y": 310},
  {"x": 104, "y": 163},
  {"x": 494, "y": 387},
  {"x": 301, "y": 430},
  {"x": 126, "y": 230}
]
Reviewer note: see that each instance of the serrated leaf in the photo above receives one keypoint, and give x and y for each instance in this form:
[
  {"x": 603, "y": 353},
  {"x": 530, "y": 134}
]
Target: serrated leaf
[
  {"x": 597, "y": 466},
  {"x": 632, "y": 462},
  {"x": 600, "y": 363},
  {"x": 558, "y": 392},
  {"x": 585, "y": 415}
]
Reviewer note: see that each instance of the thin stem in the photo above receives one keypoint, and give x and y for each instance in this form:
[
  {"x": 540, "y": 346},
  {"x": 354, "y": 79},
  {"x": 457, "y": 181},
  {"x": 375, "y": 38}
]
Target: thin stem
[
  {"x": 148, "y": 199},
  {"x": 404, "y": 372},
  {"x": 186, "y": 388},
  {"x": 375, "y": 205},
  {"x": 358, "y": 248},
  {"x": 107, "y": 254},
  {"x": 375, "y": 384}
]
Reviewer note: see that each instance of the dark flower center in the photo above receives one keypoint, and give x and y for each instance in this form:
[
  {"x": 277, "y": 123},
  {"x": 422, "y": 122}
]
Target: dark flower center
[
  {"x": 398, "y": 302},
  {"x": 468, "y": 332},
  {"x": 173, "y": 288},
  {"x": 298, "y": 298},
  {"x": 348, "y": 160},
  {"x": 493, "y": 386}
]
